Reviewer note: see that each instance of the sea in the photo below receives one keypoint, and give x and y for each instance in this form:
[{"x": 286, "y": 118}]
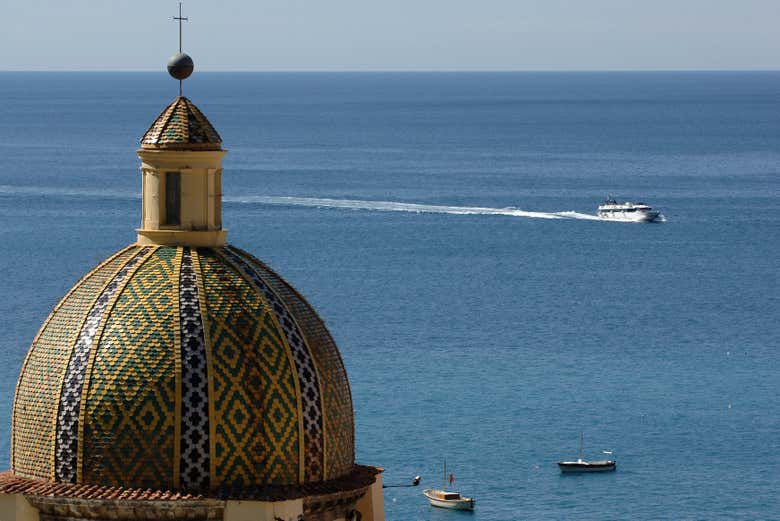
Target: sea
[{"x": 443, "y": 224}]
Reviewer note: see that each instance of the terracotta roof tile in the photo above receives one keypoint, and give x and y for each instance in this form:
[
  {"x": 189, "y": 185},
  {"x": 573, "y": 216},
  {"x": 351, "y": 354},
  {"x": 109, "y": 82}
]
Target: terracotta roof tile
[
  {"x": 360, "y": 477},
  {"x": 12, "y": 484}
]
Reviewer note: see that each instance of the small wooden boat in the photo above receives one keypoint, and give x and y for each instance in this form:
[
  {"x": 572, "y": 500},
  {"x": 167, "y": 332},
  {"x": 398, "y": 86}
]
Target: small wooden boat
[
  {"x": 581, "y": 466},
  {"x": 445, "y": 499},
  {"x": 448, "y": 499}
]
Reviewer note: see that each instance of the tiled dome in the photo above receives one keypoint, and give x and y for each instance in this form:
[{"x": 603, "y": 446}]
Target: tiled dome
[
  {"x": 178, "y": 368},
  {"x": 181, "y": 126}
]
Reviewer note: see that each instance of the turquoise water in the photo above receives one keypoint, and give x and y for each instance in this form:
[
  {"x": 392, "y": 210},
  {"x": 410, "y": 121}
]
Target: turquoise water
[{"x": 486, "y": 335}]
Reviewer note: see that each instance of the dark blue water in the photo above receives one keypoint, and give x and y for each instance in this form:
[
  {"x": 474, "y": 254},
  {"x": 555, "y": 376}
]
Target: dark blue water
[{"x": 491, "y": 340}]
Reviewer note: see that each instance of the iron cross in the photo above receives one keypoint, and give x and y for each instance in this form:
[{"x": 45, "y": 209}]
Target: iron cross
[{"x": 180, "y": 19}]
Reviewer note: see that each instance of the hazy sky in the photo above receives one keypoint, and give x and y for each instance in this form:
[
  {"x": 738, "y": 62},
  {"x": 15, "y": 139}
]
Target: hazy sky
[{"x": 392, "y": 35}]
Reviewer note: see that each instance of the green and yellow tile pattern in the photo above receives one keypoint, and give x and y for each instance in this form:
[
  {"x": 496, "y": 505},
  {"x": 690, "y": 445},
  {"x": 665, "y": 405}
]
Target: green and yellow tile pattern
[
  {"x": 129, "y": 421},
  {"x": 182, "y": 126},
  {"x": 38, "y": 390},
  {"x": 131, "y": 401}
]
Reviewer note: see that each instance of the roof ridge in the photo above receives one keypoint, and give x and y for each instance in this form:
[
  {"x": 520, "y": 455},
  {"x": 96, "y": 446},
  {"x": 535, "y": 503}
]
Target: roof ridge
[
  {"x": 203, "y": 120},
  {"x": 148, "y": 130},
  {"x": 167, "y": 122}
]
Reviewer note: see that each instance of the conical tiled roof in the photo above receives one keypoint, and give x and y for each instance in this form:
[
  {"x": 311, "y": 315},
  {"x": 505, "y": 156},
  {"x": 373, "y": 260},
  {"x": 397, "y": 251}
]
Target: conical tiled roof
[{"x": 182, "y": 126}]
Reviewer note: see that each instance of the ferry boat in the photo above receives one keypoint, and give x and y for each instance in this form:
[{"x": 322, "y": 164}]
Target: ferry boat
[
  {"x": 612, "y": 210},
  {"x": 580, "y": 466}
]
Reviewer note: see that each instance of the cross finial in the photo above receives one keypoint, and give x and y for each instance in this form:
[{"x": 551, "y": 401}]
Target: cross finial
[{"x": 181, "y": 19}]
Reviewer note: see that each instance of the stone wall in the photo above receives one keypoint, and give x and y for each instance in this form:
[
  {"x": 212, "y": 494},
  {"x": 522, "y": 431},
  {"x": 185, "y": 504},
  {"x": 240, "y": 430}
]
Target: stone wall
[{"x": 72, "y": 509}]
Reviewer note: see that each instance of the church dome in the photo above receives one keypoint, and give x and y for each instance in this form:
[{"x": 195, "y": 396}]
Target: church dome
[
  {"x": 182, "y": 378},
  {"x": 183, "y": 368}
]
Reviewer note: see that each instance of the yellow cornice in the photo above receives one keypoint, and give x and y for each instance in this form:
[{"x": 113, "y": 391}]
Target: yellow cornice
[
  {"x": 179, "y": 159},
  {"x": 197, "y": 239}
]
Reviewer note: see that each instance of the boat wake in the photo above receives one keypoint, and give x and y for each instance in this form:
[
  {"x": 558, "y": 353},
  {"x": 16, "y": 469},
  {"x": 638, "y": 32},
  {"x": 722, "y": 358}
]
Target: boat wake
[
  {"x": 50, "y": 191},
  {"x": 311, "y": 202},
  {"x": 393, "y": 206}
]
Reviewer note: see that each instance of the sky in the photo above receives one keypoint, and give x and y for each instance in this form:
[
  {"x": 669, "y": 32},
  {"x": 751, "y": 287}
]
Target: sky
[{"x": 335, "y": 35}]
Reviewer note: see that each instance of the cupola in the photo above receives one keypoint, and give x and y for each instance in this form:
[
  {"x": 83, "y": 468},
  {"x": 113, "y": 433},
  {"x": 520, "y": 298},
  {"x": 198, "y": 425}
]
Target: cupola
[{"x": 181, "y": 168}]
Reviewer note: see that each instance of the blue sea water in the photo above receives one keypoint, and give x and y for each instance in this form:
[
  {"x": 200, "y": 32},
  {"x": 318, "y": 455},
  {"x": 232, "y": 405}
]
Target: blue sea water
[{"x": 486, "y": 335}]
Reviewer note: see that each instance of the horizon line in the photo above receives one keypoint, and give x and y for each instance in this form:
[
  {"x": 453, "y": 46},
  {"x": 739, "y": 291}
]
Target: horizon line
[{"x": 410, "y": 71}]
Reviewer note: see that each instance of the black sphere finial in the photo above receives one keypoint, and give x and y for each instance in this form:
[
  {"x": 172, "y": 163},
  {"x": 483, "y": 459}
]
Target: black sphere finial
[{"x": 180, "y": 66}]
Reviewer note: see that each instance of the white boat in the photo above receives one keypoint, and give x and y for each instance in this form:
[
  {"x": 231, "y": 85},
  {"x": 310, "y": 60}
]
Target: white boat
[
  {"x": 612, "y": 210},
  {"x": 448, "y": 499},
  {"x": 581, "y": 466},
  {"x": 445, "y": 499}
]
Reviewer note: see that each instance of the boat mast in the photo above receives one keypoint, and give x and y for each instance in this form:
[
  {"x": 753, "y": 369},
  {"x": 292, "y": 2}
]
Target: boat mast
[
  {"x": 444, "y": 486},
  {"x": 580, "y": 445}
]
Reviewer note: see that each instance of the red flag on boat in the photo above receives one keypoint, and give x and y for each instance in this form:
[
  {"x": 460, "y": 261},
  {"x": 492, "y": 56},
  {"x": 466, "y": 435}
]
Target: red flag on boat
[{"x": 452, "y": 478}]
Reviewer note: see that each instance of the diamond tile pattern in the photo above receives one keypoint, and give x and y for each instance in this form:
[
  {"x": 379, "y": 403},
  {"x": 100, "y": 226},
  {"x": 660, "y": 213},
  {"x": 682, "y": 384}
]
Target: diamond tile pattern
[
  {"x": 182, "y": 126},
  {"x": 307, "y": 374},
  {"x": 98, "y": 399},
  {"x": 129, "y": 427},
  {"x": 337, "y": 399},
  {"x": 66, "y": 455},
  {"x": 38, "y": 390},
  {"x": 255, "y": 404}
]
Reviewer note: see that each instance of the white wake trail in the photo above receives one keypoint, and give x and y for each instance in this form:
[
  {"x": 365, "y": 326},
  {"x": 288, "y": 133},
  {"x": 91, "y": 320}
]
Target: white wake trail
[
  {"x": 311, "y": 202},
  {"x": 578, "y": 215},
  {"x": 65, "y": 192},
  {"x": 392, "y": 206}
]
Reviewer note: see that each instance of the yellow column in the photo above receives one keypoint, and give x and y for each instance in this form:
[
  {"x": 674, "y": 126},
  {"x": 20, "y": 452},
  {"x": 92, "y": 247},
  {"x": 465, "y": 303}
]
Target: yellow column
[
  {"x": 372, "y": 504},
  {"x": 14, "y": 507},
  {"x": 263, "y": 510}
]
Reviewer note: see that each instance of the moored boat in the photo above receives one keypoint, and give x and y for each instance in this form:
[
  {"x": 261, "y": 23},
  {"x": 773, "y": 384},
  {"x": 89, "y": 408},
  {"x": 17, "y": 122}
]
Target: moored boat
[
  {"x": 448, "y": 499},
  {"x": 581, "y": 466},
  {"x": 578, "y": 467}
]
